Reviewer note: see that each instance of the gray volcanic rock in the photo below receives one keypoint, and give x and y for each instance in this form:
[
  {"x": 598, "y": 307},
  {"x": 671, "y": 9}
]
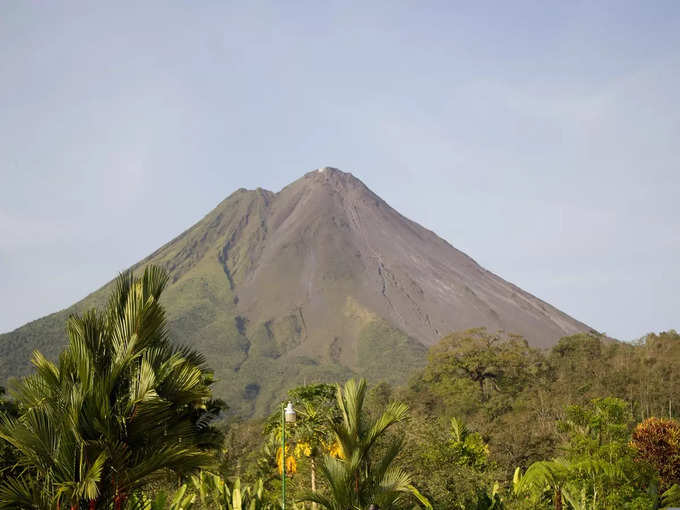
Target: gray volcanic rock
[
  {"x": 319, "y": 281},
  {"x": 331, "y": 233}
]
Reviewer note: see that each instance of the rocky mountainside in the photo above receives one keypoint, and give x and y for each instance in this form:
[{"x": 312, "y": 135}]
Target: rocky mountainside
[{"x": 321, "y": 280}]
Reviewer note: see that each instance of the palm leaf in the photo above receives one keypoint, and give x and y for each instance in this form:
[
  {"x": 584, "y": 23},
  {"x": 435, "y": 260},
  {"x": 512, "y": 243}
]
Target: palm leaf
[{"x": 671, "y": 497}]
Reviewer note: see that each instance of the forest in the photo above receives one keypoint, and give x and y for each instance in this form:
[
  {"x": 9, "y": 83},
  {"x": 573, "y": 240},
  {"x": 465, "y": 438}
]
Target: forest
[{"x": 125, "y": 419}]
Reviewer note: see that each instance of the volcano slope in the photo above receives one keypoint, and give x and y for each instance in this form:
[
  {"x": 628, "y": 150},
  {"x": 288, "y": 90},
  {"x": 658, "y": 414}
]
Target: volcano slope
[{"x": 320, "y": 281}]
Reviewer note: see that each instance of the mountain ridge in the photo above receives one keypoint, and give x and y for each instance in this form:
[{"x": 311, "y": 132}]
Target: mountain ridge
[{"x": 320, "y": 280}]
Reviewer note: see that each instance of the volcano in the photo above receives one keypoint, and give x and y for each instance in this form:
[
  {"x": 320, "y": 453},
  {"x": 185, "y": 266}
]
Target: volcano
[{"x": 318, "y": 282}]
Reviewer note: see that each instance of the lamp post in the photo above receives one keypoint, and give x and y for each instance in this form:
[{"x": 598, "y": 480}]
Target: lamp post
[{"x": 288, "y": 415}]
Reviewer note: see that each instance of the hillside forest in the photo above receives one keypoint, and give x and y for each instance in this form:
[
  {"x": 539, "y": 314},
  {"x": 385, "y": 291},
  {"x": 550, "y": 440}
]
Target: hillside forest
[{"x": 126, "y": 419}]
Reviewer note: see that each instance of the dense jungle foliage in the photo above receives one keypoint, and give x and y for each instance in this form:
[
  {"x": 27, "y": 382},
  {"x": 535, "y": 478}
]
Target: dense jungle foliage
[{"x": 125, "y": 419}]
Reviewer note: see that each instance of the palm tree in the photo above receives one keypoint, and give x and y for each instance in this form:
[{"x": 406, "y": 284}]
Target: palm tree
[
  {"x": 358, "y": 479},
  {"x": 7, "y": 452},
  {"x": 312, "y": 433},
  {"x": 121, "y": 407}
]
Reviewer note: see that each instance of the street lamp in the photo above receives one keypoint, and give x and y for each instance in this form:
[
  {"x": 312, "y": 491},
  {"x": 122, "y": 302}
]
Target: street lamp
[{"x": 288, "y": 415}]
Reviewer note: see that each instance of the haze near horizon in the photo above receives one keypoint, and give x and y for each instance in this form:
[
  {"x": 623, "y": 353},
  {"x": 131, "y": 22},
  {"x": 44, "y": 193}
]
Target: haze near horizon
[{"x": 539, "y": 139}]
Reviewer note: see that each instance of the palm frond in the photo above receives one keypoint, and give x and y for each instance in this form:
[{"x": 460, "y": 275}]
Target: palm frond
[
  {"x": 671, "y": 497},
  {"x": 394, "y": 413},
  {"x": 542, "y": 474},
  {"x": 22, "y": 494},
  {"x": 382, "y": 467}
]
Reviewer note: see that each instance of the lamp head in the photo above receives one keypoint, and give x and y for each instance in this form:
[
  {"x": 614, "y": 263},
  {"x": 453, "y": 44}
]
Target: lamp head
[{"x": 290, "y": 413}]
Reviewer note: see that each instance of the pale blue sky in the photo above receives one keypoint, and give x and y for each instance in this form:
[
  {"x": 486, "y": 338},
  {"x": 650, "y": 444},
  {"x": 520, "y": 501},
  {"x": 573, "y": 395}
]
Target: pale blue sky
[{"x": 541, "y": 138}]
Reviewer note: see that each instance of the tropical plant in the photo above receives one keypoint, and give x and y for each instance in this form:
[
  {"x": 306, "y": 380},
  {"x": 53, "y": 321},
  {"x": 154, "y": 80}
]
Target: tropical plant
[
  {"x": 598, "y": 471},
  {"x": 8, "y": 454},
  {"x": 543, "y": 480},
  {"x": 671, "y": 497},
  {"x": 215, "y": 493},
  {"x": 468, "y": 447},
  {"x": 361, "y": 477},
  {"x": 603, "y": 471},
  {"x": 589, "y": 480},
  {"x": 180, "y": 500},
  {"x": 121, "y": 407},
  {"x": 205, "y": 490},
  {"x": 489, "y": 501},
  {"x": 451, "y": 464}
]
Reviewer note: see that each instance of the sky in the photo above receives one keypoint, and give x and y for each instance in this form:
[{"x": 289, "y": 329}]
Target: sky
[{"x": 541, "y": 138}]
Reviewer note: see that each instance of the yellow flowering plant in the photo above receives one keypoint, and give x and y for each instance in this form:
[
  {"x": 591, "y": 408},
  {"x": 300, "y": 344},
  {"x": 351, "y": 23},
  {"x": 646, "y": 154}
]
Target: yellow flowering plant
[{"x": 291, "y": 463}]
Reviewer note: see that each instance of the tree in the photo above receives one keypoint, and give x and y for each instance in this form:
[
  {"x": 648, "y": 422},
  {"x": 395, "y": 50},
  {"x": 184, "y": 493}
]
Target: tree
[
  {"x": 597, "y": 471},
  {"x": 599, "y": 430},
  {"x": 658, "y": 382},
  {"x": 451, "y": 465},
  {"x": 598, "y": 447},
  {"x": 122, "y": 406},
  {"x": 360, "y": 478},
  {"x": 496, "y": 361},
  {"x": 656, "y": 441}
]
